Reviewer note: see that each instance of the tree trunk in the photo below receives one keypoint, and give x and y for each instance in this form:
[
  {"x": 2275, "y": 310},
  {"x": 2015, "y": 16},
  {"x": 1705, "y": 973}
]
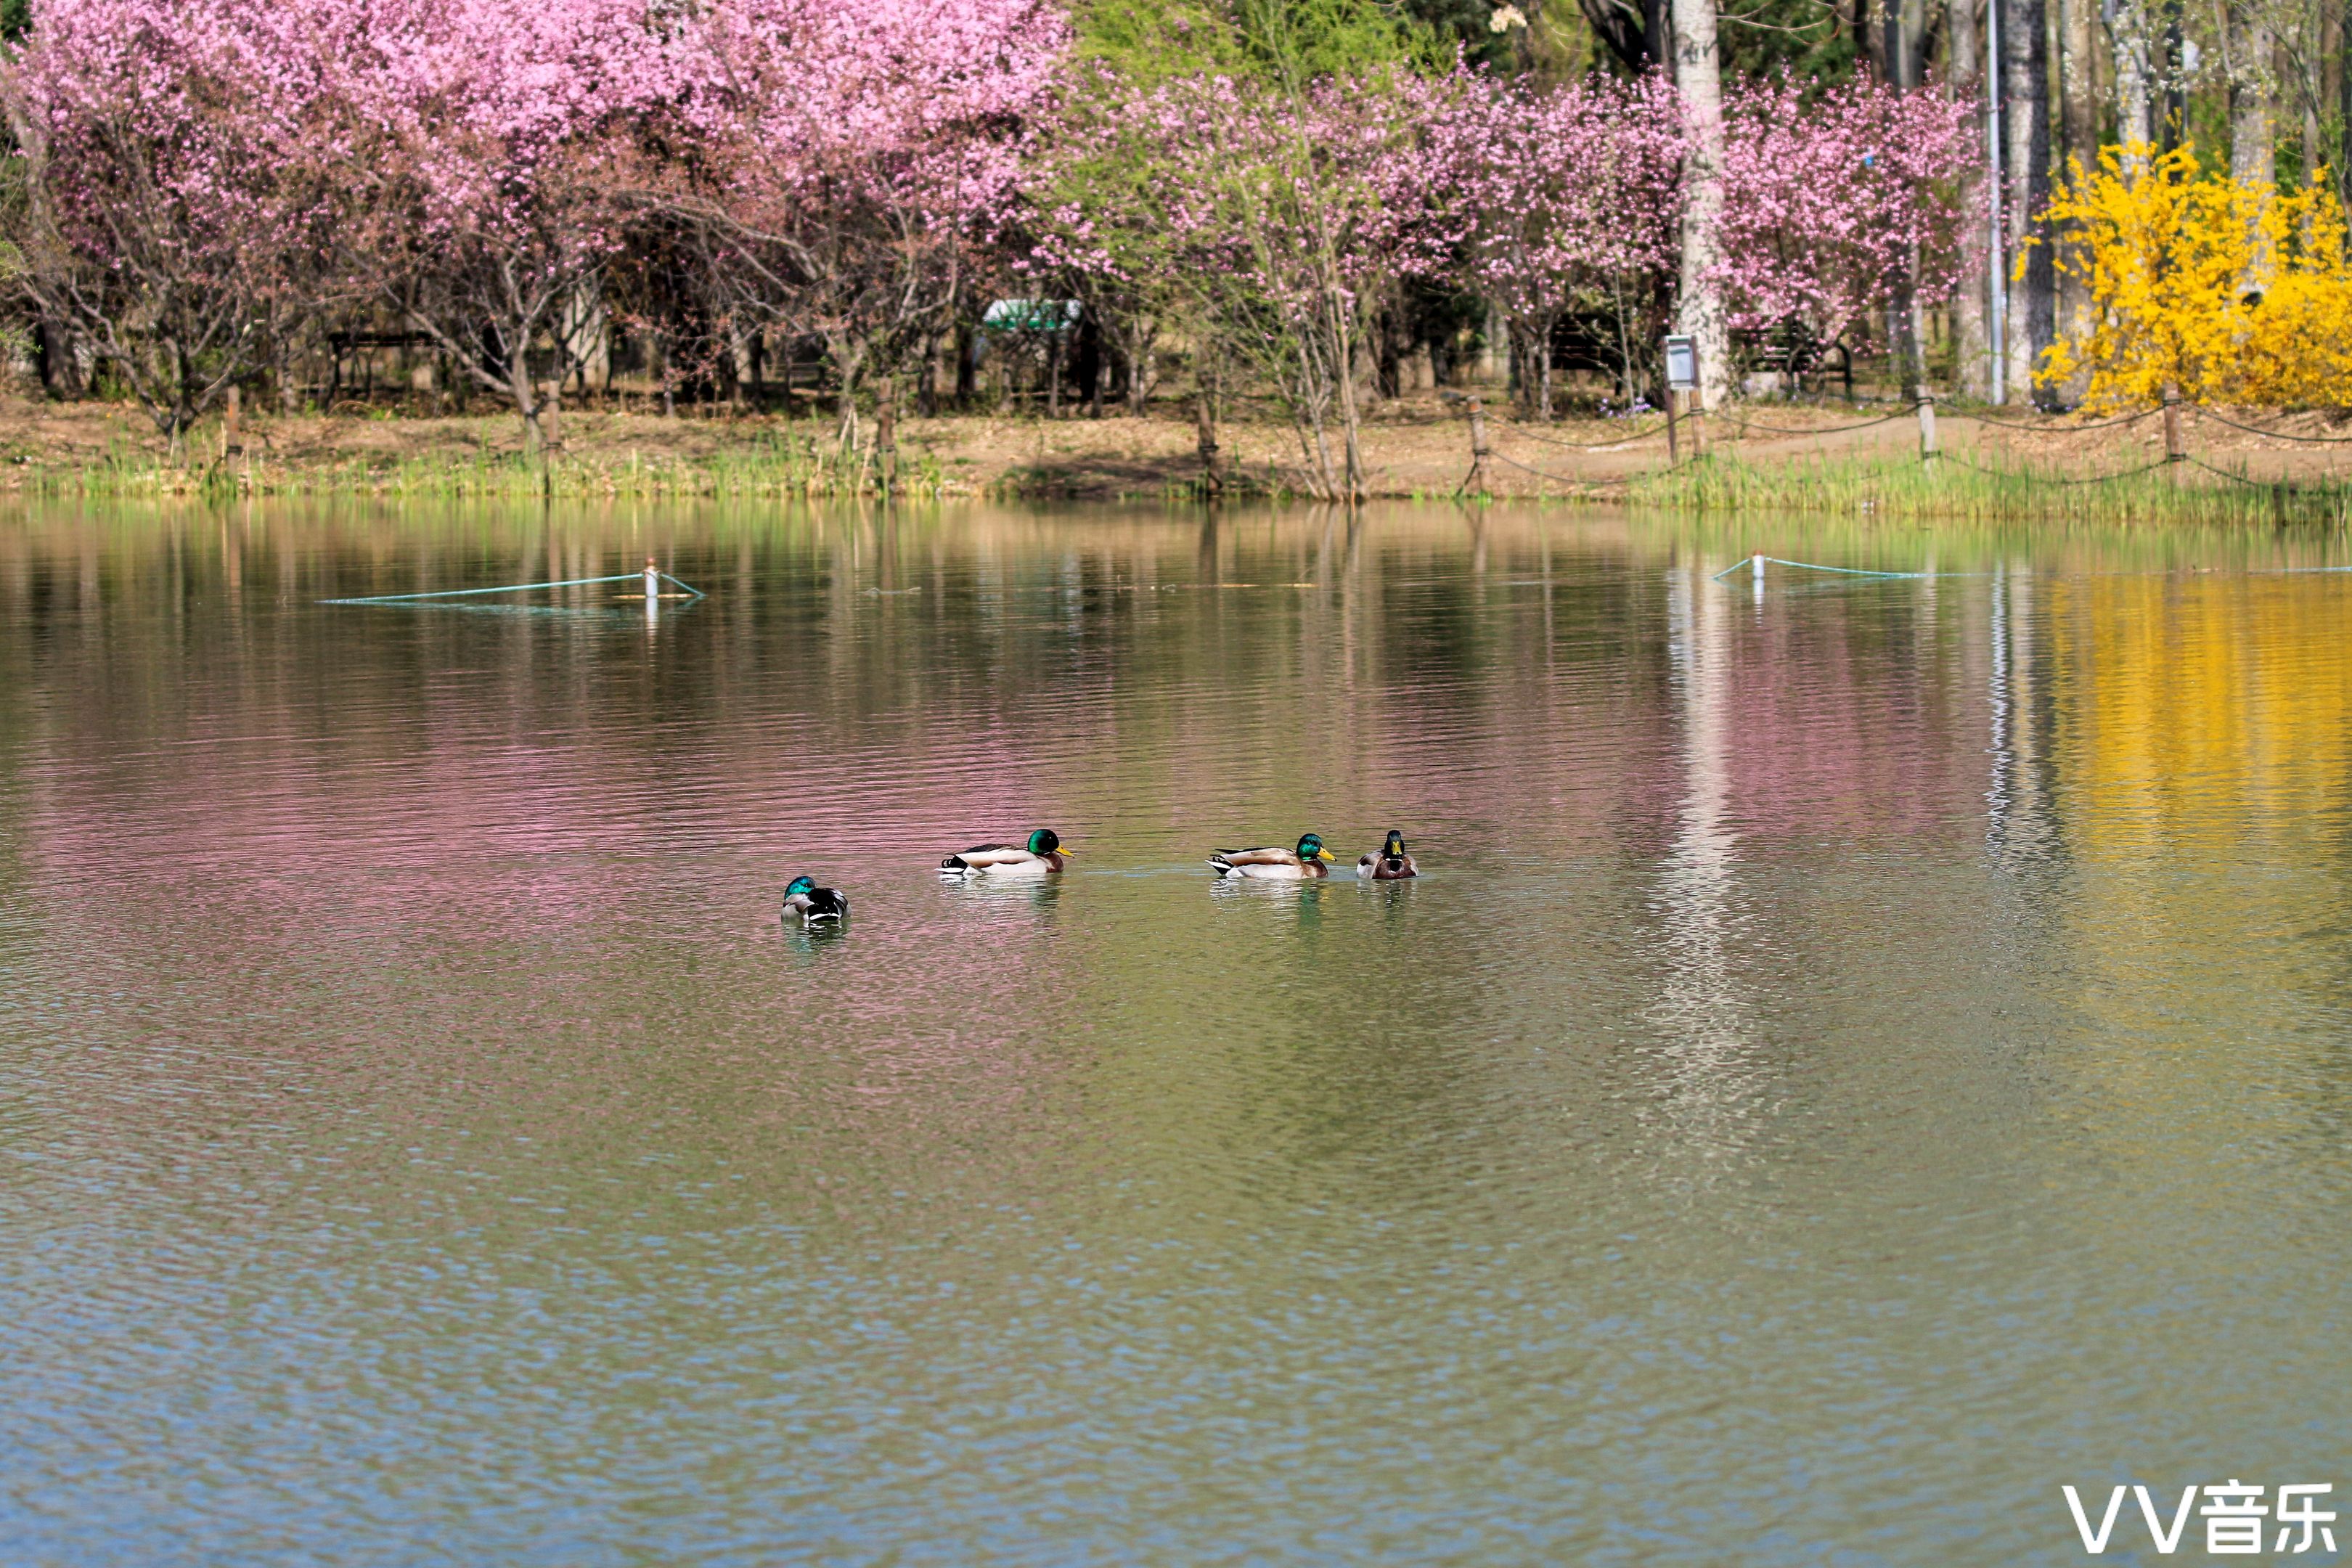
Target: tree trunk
[
  {"x": 1906, "y": 43},
  {"x": 2254, "y": 106},
  {"x": 1905, "y": 33},
  {"x": 1350, "y": 420},
  {"x": 2078, "y": 144},
  {"x": 2253, "y": 94},
  {"x": 848, "y": 363},
  {"x": 2172, "y": 123},
  {"x": 1543, "y": 370},
  {"x": 2333, "y": 77},
  {"x": 1135, "y": 361},
  {"x": 2078, "y": 104},
  {"x": 1204, "y": 424},
  {"x": 2025, "y": 164},
  {"x": 2132, "y": 33},
  {"x": 525, "y": 395},
  {"x": 60, "y": 371},
  {"x": 1698, "y": 300}
]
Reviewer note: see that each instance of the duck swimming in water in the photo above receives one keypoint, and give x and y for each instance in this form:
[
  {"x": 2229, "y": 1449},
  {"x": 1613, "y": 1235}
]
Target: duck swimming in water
[
  {"x": 1042, "y": 855},
  {"x": 1276, "y": 864},
  {"x": 815, "y": 905},
  {"x": 1390, "y": 864}
]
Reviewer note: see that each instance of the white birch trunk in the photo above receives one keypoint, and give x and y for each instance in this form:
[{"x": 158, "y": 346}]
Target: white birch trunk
[
  {"x": 1699, "y": 300},
  {"x": 2254, "y": 109},
  {"x": 1971, "y": 310},
  {"x": 2131, "y": 31}
]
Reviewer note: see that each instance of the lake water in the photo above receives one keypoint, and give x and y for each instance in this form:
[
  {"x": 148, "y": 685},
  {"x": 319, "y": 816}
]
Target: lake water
[{"x": 1860, "y": 1055}]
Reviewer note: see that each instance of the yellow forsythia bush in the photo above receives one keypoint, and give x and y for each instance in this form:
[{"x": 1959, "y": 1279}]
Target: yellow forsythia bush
[{"x": 2233, "y": 291}]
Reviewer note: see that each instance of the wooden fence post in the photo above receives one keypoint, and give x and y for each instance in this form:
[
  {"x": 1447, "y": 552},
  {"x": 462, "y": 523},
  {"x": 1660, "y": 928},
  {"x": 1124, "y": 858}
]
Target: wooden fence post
[
  {"x": 885, "y": 433},
  {"x": 2174, "y": 453},
  {"x": 232, "y": 446},
  {"x": 1927, "y": 428},
  {"x": 1673, "y": 432},
  {"x": 551, "y": 415}
]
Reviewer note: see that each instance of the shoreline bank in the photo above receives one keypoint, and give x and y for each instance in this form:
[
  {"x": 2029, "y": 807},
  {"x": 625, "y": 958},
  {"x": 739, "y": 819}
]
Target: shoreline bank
[{"x": 1804, "y": 458}]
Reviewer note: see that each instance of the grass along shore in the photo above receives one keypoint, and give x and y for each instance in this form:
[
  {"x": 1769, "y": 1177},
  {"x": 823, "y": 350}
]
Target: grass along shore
[{"x": 1830, "y": 460}]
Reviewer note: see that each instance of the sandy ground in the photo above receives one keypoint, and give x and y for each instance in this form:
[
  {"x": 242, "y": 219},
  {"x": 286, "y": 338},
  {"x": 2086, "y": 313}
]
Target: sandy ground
[{"x": 1412, "y": 448}]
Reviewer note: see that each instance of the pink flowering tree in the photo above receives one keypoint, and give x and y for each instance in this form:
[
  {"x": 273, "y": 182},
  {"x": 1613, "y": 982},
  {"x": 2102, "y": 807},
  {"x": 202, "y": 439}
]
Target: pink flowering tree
[
  {"x": 855, "y": 162},
  {"x": 1271, "y": 213},
  {"x": 1569, "y": 198},
  {"x": 509, "y": 147},
  {"x": 184, "y": 187},
  {"x": 1835, "y": 208}
]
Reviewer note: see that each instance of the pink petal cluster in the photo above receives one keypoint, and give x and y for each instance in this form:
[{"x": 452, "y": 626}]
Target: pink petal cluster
[
  {"x": 1562, "y": 189},
  {"x": 1828, "y": 202}
]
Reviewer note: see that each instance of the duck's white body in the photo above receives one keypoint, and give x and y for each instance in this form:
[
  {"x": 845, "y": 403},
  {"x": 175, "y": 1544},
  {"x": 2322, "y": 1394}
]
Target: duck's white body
[
  {"x": 1271, "y": 873},
  {"x": 1271, "y": 863},
  {"x": 999, "y": 861}
]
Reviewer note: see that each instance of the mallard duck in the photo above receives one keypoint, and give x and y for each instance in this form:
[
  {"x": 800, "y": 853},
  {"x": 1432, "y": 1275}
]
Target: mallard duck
[
  {"x": 1276, "y": 864},
  {"x": 815, "y": 905},
  {"x": 1041, "y": 857},
  {"x": 1390, "y": 864}
]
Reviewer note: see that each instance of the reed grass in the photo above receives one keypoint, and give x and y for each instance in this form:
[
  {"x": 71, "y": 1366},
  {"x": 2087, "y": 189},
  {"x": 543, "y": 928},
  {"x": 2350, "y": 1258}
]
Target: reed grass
[
  {"x": 781, "y": 464},
  {"x": 1948, "y": 490}
]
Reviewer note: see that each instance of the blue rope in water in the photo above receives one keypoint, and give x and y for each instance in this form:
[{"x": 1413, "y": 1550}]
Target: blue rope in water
[
  {"x": 1817, "y": 566},
  {"x": 508, "y": 588}
]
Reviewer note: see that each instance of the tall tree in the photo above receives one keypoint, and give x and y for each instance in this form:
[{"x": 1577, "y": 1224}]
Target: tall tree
[
  {"x": 2078, "y": 142},
  {"x": 179, "y": 197},
  {"x": 2136, "y": 43},
  {"x": 1698, "y": 297},
  {"x": 2251, "y": 44},
  {"x": 2033, "y": 316},
  {"x": 1965, "y": 70}
]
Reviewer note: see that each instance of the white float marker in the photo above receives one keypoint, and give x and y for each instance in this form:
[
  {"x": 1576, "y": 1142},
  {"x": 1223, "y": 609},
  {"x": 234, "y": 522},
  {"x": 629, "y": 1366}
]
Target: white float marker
[
  {"x": 1756, "y": 570},
  {"x": 653, "y": 590}
]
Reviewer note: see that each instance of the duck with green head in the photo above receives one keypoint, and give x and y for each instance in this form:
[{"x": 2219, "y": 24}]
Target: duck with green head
[
  {"x": 1041, "y": 855},
  {"x": 815, "y": 905},
  {"x": 1390, "y": 864},
  {"x": 1276, "y": 864}
]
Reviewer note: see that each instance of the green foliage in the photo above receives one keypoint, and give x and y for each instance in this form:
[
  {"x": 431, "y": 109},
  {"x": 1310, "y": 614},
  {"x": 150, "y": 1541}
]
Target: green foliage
[
  {"x": 1883, "y": 490},
  {"x": 1291, "y": 41},
  {"x": 1808, "y": 40},
  {"x": 1466, "y": 25},
  {"x": 784, "y": 465}
]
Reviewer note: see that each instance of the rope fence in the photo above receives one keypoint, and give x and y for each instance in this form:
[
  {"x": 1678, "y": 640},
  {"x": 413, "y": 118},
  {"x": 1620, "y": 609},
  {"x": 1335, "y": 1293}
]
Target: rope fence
[
  {"x": 1925, "y": 409},
  {"x": 2047, "y": 479},
  {"x": 1827, "y": 430},
  {"x": 2049, "y": 429},
  {"x": 2203, "y": 412},
  {"x": 1657, "y": 429}
]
